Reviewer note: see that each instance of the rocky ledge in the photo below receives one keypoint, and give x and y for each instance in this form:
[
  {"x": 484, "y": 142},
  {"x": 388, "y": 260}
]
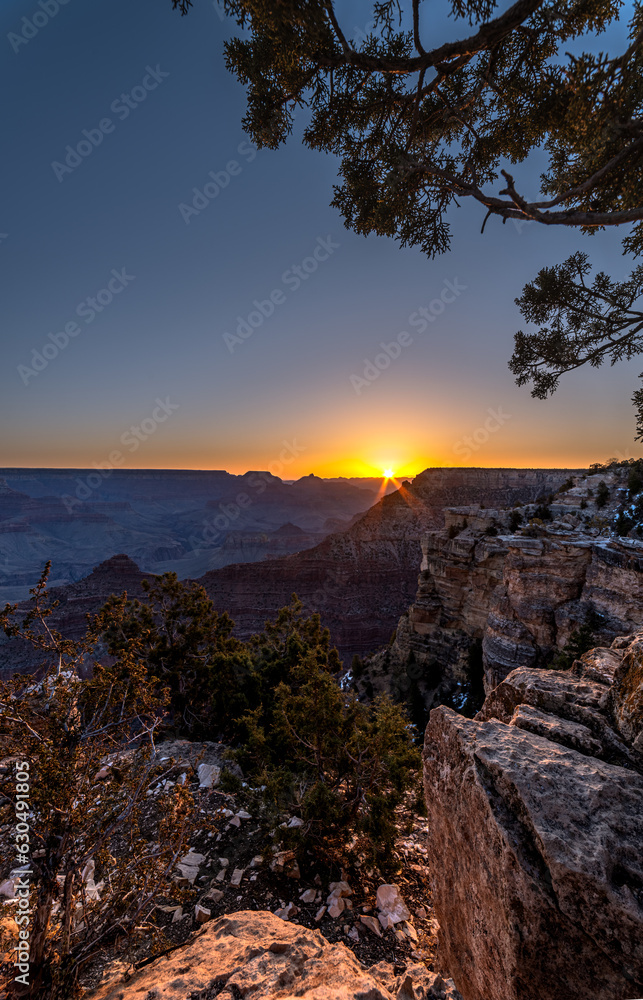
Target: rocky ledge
[
  {"x": 259, "y": 955},
  {"x": 535, "y": 812}
]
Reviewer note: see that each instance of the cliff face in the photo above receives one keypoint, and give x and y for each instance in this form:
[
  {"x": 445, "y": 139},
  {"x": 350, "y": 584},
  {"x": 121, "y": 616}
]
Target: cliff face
[
  {"x": 535, "y": 811},
  {"x": 511, "y": 598},
  {"x": 361, "y": 580}
]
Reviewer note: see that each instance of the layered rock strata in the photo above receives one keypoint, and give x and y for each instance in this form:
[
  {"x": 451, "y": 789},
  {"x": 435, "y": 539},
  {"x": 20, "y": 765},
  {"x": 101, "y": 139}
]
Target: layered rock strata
[
  {"x": 489, "y": 597},
  {"x": 360, "y": 579},
  {"x": 535, "y": 810}
]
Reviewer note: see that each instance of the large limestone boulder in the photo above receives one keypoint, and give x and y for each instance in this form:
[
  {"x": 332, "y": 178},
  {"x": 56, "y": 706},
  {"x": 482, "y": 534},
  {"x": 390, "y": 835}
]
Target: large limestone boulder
[
  {"x": 258, "y": 955},
  {"x": 536, "y": 818}
]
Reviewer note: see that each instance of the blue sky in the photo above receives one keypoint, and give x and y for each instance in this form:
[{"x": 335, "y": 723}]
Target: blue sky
[{"x": 189, "y": 281}]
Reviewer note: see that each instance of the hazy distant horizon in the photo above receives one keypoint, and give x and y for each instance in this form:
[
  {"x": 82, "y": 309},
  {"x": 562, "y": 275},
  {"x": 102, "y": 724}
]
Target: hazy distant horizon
[{"x": 321, "y": 363}]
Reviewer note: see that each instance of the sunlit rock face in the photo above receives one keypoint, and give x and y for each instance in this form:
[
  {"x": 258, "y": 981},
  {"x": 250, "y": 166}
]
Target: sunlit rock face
[
  {"x": 362, "y": 579},
  {"x": 535, "y": 810},
  {"x": 491, "y": 598},
  {"x": 257, "y": 954}
]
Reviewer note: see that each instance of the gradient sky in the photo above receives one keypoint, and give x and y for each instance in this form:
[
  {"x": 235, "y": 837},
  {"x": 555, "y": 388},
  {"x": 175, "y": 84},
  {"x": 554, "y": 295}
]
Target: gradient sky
[{"x": 162, "y": 336}]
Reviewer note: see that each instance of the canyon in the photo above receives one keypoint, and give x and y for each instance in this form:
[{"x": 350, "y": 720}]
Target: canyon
[
  {"x": 492, "y": 596},
  {"x": 360, "y": 579},
  {"x": 165, "y": 520}
]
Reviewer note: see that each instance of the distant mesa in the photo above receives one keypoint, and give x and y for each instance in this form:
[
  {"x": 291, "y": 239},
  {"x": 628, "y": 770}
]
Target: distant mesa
[
  {"x": 120, "y": 567},
  {"x": 289, "y": 529}
]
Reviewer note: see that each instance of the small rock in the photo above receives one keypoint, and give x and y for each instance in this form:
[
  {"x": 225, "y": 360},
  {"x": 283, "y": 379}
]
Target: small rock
[
  {"x": 295, "y": 823},
  {"x": 178, "y": 915},
  {"x": 237, "y": 875},
  {"x": 372, "y": 924},
  {"x": 209, "y": 775},
  {"x": 235, "y": 821},
  {"x": 242, "y": 814},
  {"x": 336, "y": 907},
  {"x": 410, "y": 931},
  {"x": 220, "y": 877},
  {"x": 340, "y": 889},
  {"x": 286, "y": 912},
  {"x": 421, "y": 913},
  {"x": 224, "y": 862},
  {"x": 189, "y": 865},
  {"x": 214, "y": 895},
  {"x": 391, "y": 904},
  {"x": 320, "y": 913},
  {"x": 309, "y": 896},
  {"x": 281, "y": 859},
  {"x": 353, "y": 934},
  {"x": 202, "y": 915}
]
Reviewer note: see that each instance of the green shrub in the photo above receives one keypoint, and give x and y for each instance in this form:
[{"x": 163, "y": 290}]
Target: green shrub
[
  {"x": 229, "y": 782},
  {"x": 515, "y": 520},
  {"x": 340, "y": 765},
  {"x": 635, "y": 480},
  {"x": 602, "y": 494},
  {"x": 580, "y": 641}
]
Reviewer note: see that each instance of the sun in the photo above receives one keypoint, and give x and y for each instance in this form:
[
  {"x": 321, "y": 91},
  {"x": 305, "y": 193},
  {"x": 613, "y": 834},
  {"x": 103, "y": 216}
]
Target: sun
[{"x": 388, "y": 473}]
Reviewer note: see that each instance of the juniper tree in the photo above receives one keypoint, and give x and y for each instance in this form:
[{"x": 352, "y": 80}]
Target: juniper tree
[
  {"x": 580, "y": 322},
  {"x": 419, "y": 127}
]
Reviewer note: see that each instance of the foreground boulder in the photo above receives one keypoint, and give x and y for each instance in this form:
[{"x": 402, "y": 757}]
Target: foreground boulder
[
  {"x": 536, "y": 819},
  {"x": 257, "y": 954}
]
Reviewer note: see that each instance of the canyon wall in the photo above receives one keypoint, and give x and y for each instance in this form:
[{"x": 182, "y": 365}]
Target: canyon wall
[
  {"x": 491, "y": 598},
  {"x": 535, "y": 810},
  {"x": 360, "y": 579}
]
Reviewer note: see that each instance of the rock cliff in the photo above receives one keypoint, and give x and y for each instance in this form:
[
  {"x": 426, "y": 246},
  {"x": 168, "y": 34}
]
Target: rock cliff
[
  {"x": 492, "y": 595},
  {"x": 361, "y": 580},
  {"x": 535, "y": 810}
]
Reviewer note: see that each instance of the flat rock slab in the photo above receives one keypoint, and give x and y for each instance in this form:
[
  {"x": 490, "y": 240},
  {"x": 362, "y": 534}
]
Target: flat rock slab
[
  {"x": 256, "y": 954},
  {"x": 536, "y": 857}
]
